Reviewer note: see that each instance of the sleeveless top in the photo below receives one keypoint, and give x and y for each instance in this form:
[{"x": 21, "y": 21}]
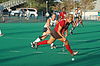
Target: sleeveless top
[{"x": 52, "y": 22}]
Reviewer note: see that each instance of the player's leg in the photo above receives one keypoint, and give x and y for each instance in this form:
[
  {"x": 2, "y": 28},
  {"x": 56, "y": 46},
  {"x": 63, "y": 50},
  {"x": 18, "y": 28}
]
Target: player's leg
[
  {"x": 1, "y": 33},
  {"x": 81, "y": 21},
  {"x": 73, "y": 28},
  {"x": 77, "y": 22},
  {"x": 50, "y": 41},
  {"x": 66, "y": 33},
  {"x": 44, "y": 35},
  {"x": 40, "y": 38},
  {"x": 68, "y": 47}
]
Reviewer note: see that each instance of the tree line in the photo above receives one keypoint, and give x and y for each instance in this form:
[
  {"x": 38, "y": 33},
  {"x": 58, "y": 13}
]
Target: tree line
[{"x": 69, "y": 4}]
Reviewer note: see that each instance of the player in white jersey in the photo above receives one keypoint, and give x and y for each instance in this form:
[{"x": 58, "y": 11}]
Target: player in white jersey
[
  {"x": 80, "y": 16},
  {"x": 77, "y": 19},
  {"x": 47, "y": 29},
  {"x": 75, "y": 22}
]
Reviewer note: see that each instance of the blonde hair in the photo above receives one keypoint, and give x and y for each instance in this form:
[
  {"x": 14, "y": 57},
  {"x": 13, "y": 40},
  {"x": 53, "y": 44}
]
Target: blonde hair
[{"x": 70, "y": 15}]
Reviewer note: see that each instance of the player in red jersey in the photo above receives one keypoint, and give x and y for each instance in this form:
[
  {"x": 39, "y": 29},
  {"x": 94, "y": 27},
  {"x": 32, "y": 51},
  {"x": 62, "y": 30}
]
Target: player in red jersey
[
  {"x": 58, "y": 33},
  {"x": 62, "y": 14}
]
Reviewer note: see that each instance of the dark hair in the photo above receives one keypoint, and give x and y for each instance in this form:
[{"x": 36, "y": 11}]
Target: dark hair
[{"x": 78, "y": 7}]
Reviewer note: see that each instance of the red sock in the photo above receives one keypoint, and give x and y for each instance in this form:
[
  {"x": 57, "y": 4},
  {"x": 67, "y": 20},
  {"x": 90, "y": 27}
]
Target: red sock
[
  {"x": 42, "y": 42},
  {"x": 69, "y": 49}
]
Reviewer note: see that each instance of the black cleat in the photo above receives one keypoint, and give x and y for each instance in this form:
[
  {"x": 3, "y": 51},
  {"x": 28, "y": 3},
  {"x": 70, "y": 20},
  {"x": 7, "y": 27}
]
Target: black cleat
[
  {"x": 34, "y": 45},
  {"x": 53, "y": 47},
  {"x": 71, "y": 32}
]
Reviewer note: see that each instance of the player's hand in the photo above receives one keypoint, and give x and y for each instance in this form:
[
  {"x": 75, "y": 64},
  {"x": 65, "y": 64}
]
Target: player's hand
[
  {"x": 66, "y": 35},
  {"x": 64, "y": 39}
]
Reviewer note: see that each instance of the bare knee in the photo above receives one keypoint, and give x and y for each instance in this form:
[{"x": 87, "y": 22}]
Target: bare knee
[
  {"x": 66, "y": 42},
  {"x": 49, "y": 42}
]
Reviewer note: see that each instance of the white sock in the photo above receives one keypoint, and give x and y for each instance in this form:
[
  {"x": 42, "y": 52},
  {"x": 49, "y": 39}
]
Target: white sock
[
  {"x": 37, "y": 40},
  {"x": 0, "y": 32},
  {"x": 52, "y": 44}
]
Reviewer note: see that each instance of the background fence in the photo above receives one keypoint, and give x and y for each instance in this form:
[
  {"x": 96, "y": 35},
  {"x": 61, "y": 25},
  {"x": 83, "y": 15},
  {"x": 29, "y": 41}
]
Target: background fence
[
  {"x": 41, "y": 18},
  {"x": 90, "y": 15},
  {"x": 5, "y": 18}
]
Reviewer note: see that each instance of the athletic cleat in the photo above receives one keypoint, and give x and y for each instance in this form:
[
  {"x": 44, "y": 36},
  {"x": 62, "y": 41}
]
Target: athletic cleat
[
  {"x": 63, "y": 45},
  {"x": 71, "y": 32},
  {"x": 53, "y": 47},
  {"x": 74, "y": 53},
  {"x": 34, "y": 45},
  {"x": 1, "y": 34}
]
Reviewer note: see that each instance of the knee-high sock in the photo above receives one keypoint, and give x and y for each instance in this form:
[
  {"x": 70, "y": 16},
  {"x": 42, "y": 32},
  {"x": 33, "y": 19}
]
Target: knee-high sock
[
  {"x": 69, "y": 49},
  {"x": 72, "y": 29},
  {"x": 52, "y": 44},
  {"x": 42, "y": 42},
  {"x": 37, "y": 40}
]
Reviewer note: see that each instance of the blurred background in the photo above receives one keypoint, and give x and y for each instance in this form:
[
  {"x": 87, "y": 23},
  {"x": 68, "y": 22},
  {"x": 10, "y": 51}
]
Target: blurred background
[{"x": 39, "y": 10}]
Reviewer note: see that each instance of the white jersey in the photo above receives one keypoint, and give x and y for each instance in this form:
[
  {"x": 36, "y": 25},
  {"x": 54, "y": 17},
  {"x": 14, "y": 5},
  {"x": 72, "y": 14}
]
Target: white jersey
[
  {"x": 76, "y": 15},
  {"x": 79, "y": 12},
  {"x": 52, "y": 22}
]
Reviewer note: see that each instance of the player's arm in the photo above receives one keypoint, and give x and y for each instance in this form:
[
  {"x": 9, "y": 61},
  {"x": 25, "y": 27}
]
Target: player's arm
[
  {"x": 66, "y": 33},
  {"x": 59, "y": 17},
  {"x": 56, "y": 21},
  {"x": 48, "y": 26},
  {"x": 73, "y": 17},
  {"x": 59, "y": 29},
  {"x": 81, "y": 12},
  {"x": 48, "y": 23}
]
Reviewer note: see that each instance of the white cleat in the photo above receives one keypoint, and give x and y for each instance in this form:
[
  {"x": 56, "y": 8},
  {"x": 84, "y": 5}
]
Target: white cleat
[{"x": 74, "y": 53}]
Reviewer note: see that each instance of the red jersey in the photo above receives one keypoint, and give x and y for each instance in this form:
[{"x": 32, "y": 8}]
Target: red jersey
[
  {"x": 62, "y": 15},
  {"x": 62, "y": 23}
]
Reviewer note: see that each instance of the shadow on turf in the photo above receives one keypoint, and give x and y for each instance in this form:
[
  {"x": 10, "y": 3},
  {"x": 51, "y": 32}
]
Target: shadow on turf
[
  {"x": 93, "y": 26},
  {"x": 87, "y": 41},
  {"x": 86, "y": 58},
  {"x": 86, "y": 32},
  {"x": 89, "y": 52},
  {"x": 13, "y": 48},
  {"x": 23, "y": 32},
  {"x": 17, "y": 57},
  {"x": 87, "y": 48},
  {"x": 77, "y": 61}
]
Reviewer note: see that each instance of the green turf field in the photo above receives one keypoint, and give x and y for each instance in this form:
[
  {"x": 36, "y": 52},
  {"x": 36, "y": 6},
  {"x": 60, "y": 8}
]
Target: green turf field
[{"x": 15, "y": 47}]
